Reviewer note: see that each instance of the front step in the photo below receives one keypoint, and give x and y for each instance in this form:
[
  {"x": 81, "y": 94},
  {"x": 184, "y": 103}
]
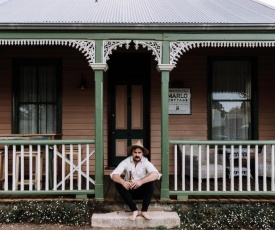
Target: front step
[
  {"x": 121, "y": 206},
  {"x": 120, "y": 219}
]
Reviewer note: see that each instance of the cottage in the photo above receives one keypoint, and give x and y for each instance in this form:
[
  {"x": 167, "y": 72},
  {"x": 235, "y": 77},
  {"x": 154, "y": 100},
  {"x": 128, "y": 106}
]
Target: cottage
[{"x": 82, "y": 80}]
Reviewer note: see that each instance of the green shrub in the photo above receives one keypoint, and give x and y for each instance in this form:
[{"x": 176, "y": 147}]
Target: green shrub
[
  {"x": 58, "y": 212},
  {"x": 227, "y": 216},
  {"x": 192, "y": 215}
]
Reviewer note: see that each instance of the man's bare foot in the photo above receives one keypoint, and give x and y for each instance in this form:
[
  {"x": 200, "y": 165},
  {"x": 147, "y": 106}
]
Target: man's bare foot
[
  {"x": 134, "y": 215},
  {"x": 146, "y": 215}
]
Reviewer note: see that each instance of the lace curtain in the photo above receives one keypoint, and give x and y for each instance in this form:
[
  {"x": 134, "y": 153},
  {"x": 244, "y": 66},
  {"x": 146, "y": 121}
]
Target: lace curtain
[
  {"x": 231, "y": 100},
  {"x": 37, "y": 99}
]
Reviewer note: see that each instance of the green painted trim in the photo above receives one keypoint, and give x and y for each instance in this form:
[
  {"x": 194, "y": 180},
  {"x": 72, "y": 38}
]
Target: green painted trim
[
  {"x": 164, "y": 136},
  {"x": 239, "y": 142},
  {"x": 99, "y": 146},
  {"x": 99, "y": 154},
  {"x": 44, "y": 142},
  {"x": 182, "y": 197},
  {"x": 164, "y": 195},
  {"x": 50, "y": 192},
  {"x": 225, "y": 193},
  {"x": 133, "y": 27},
  {"x": 165, "y": 52},
  {"x": 82, "y": 35},
  {"x": 81, "y": 196},
  {"x": 98, "y": 51},
  {"x": 220, "y": 36},
  {"x": 195, "y": 35}
]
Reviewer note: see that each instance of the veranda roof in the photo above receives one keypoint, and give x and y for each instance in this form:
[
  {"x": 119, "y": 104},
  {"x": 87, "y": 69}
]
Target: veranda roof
[{"x": 135, "y": 12}]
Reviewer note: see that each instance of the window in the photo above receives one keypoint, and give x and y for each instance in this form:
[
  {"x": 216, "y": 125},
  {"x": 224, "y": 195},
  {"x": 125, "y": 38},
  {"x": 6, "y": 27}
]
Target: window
[
  {"x": 37, "y": 97},
  {"x": 231, "y": 99}
]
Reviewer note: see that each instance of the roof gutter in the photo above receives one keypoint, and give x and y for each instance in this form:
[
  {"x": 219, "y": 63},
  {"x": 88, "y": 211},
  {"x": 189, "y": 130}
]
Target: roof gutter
[{"x": 137, "y": 26}]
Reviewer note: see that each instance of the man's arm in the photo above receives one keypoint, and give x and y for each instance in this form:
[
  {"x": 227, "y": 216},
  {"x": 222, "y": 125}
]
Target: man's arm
[
  {"x": 152, "y": 176},
  {"x": 117, "y": 178}
]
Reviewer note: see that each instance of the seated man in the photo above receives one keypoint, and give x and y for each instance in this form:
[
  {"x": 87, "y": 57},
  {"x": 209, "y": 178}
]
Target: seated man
[{"x": 138, "y": 182}]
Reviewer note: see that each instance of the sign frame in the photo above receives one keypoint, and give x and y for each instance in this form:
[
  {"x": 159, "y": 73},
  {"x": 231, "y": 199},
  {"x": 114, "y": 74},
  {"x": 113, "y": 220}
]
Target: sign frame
[{"x": 179, "y": 101}]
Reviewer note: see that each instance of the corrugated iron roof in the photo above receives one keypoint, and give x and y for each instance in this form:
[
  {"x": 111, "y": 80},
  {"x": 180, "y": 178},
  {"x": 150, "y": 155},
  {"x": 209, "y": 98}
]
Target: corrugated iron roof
[{"x": 135, "y": 11}]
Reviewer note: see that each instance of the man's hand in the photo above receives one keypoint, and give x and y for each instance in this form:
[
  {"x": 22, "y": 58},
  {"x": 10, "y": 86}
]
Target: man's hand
[
  {"x": 136, "y": 184},
  {"x": 126, "y": 184}
]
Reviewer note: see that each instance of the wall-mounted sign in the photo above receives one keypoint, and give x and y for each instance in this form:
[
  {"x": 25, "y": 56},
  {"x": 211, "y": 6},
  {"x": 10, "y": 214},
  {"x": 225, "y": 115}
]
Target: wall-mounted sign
[{"x": 179, "y": 101}]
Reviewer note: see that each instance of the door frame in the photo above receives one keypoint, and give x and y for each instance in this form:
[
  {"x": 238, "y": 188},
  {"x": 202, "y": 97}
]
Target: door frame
[{"x": 112, "y": 81}]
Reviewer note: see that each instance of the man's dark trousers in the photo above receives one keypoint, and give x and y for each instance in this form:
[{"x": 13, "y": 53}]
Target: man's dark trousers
[{"x": 144, "y": 193}]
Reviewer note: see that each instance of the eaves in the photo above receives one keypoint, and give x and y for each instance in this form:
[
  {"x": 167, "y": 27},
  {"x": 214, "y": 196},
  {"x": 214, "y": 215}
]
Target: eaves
[{"x": 199, "y": 27}]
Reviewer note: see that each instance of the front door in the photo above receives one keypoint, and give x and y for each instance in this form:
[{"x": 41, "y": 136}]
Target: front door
[{"x": 129, "y": 98}]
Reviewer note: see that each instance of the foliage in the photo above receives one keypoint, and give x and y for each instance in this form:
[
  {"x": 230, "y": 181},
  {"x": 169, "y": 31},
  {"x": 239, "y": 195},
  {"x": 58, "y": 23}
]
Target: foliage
[
  {"x": 58, "y": 212},
  {"x": 227, "y": 216},
  {"x": 192, "y": 215}
]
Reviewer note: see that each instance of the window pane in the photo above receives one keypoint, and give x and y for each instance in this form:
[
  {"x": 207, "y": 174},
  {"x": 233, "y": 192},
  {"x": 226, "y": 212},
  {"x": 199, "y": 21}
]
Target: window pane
[
  {"x": 231, "y": 121},
  {"x": 28, "y": 84},
  {"x": 28, "y": 119},
  {"x": 47, "y": 119},
  {"x": 231, "y": 96},
  {"x": 231, "y": 80},
  {"x": 36, "y": 97},
  {"x": 231, "y": 100},
  {"x": 51, "y": 118},
  {"x": 47, "y": 83}
]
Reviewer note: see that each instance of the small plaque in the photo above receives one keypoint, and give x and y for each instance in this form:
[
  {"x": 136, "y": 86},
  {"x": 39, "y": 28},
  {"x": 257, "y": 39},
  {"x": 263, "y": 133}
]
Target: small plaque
[{"x": 179, "y": 101}]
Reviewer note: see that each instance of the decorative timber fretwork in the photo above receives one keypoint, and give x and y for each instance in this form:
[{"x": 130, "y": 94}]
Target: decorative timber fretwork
[
  {"x": 178, "y": 48},
  {"x": 154, "y": 46},
  {"x": 110, "y": 45},
  {"x": 87, "y": 47}
]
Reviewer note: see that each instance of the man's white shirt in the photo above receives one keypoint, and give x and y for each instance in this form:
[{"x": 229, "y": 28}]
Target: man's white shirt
[{"x": 138, "y": 171}]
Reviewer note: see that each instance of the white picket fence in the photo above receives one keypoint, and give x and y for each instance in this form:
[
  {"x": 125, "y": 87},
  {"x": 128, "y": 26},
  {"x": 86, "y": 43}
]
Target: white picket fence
[
  {"x": 202, "y": 167},
  {"x": 47, "y": 167}
]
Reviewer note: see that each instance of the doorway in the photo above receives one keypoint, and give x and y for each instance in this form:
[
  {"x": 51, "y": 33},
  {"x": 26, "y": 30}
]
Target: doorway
[{"x": 129, "y": 100}]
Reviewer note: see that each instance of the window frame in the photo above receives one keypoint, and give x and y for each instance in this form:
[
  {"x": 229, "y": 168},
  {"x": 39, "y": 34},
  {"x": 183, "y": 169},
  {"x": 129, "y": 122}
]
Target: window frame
[
  {"x": 16, "y": 63},
  {"x": 254, "y": 91}
]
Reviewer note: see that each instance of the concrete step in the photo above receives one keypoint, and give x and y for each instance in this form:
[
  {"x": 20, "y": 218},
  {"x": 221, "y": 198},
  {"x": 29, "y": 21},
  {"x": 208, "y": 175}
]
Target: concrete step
[
  {"x": 121, "y": 206},
  {"x": 120, "y": 219}
]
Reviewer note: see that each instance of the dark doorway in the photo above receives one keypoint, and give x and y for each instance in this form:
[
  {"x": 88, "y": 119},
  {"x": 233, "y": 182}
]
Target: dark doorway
[{"x": 129, "y": 100}]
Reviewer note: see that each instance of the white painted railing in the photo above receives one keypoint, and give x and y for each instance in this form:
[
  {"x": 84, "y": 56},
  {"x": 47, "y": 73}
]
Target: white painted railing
[
  {"x": 47, "y": 166},
  {"x": 223, "y": 168},
  {"x": 78, "y": 161}
]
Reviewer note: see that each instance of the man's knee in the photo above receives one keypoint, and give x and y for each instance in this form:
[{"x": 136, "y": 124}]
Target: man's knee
[
  {"x": 118, "y": 185},
  {"x": 120, "y": 188},
  {"x": 148, "y": 187}
]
